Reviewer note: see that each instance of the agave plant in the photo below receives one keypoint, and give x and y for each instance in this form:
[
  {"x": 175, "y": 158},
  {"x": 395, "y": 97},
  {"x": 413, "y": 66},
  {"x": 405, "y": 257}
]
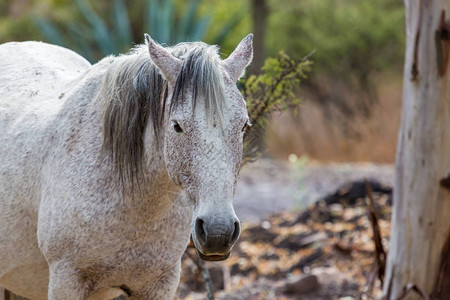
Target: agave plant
[{"x": 98, "y": 36}]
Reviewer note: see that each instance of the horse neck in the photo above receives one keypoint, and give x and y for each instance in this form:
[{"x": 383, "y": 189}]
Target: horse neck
[{"x": 154, "y": 183}]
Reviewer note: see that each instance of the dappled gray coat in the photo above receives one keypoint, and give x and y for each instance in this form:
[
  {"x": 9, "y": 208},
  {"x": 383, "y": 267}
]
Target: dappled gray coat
[{"x": 106, "y": 170}]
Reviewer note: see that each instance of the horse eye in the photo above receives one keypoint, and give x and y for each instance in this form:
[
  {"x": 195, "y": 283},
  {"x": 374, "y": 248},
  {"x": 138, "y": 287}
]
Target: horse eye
[
  {"x": 246, "y": 125},
  {"x": 176, "y": 126}
]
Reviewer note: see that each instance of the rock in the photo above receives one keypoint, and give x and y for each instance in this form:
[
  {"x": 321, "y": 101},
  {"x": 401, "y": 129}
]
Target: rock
[
  {"x": 292, "y": 242},
  {"x": 236, "y": 269},
  {"x": 336, "y": 209},
  {"x": 302, "y": 284},
  {"x": 307, "y": 260},
  {"x": 271, "y": 256},
  {"x": 259, "y": 234},
  {"x": 298, "y": 241},
  {"x": 332, "y": 275},
  {"x": 314, "y": 238}
]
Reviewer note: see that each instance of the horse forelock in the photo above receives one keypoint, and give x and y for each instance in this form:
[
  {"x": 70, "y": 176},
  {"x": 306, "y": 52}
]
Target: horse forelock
[
  {"x": 201, "y": 75},
  {"x": 135, "y": 93}
]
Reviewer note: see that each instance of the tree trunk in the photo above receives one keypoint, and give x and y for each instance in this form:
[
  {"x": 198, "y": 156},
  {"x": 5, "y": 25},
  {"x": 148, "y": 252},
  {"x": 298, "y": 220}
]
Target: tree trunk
[
  {"x": 7, "y": 295},
  {"x": 420, "y": 240},
  {"x": 259, "y": 14}
]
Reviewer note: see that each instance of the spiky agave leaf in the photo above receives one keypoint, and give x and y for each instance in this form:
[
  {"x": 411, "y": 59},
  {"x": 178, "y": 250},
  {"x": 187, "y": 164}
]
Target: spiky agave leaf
[
  {"x": 98, "y": 38},
  {"x": 122, "y": 24},
  {"x": 98, "y": 28}
]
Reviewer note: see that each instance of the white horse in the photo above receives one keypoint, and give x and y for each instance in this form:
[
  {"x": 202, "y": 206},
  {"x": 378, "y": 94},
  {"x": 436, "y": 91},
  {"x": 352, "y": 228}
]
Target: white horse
[{"x": 106, "y": 170}]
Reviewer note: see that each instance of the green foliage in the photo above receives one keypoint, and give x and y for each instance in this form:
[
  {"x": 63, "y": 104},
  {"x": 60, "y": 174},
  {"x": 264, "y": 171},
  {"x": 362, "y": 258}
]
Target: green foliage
[
  {"x": 273, "y": 90},
  {"x": 219, "y": 31},
  {"x": 97, "y": 36},
  {"x": 14, "y": 21},
  {"x": 348, "y": 35},
  {"x": 93, "y": 39},
  {"x": 355, "y": 42}
]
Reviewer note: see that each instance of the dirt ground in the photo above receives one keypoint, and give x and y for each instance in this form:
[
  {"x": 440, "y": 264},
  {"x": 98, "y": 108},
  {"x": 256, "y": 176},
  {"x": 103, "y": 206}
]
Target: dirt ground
[
  {"x": 269, "y": 186},
  {"x": 306, "y": 234}
]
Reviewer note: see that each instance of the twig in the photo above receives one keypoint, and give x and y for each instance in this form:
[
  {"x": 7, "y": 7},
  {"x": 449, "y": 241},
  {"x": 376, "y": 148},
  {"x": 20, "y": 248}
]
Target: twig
[
  {"x": 207, "y": 282},
  {"x": 8, "y": 295},
  {"x": 441, "y": 287},
  {"x": 265, "y": 96},
  {"x": 206, "y": 279},
  {"x": 412, "y": 287},
  {"x": 372, "y": 278},
  {"x": 309, "y": 55},
  {"x": 380, "y": 254}
]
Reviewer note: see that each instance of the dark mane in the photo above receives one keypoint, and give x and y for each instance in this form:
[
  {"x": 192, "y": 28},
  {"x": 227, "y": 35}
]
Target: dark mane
[{"x": 135, "y": 96}]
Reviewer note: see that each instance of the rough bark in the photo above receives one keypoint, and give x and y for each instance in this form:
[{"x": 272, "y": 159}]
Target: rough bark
[
  {"x": 7, "y": 295},
  {"x": 419, "y": 252}
]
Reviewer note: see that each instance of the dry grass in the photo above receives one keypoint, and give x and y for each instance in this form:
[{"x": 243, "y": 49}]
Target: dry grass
[{"x": 312, "y": 133}]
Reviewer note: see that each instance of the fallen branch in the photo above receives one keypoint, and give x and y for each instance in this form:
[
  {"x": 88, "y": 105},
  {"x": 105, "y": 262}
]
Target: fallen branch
[
  {"x": 372, "y": 277},
  {"x": 442, "y": 285},
  {"x": 412, "y": 287},
  {"x": 380, "y": 254}
]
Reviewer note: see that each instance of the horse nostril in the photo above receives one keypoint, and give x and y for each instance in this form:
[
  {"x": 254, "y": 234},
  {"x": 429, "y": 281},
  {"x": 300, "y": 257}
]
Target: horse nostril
[
  {"x": 200, "y": 230},
  {"x": 236, "y": 233}
]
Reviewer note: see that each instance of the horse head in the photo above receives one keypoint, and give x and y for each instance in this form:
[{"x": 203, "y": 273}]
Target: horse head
[{"x": 203, "y": 137}]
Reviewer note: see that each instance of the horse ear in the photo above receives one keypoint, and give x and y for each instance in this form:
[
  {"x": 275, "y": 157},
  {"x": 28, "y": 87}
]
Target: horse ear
[
  {"x": 169, "y": 65},
  {"x": 240, "y": 58}
]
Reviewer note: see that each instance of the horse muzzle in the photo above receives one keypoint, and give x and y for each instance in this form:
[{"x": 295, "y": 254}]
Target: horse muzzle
[
  {"x": 214, "y": 240},
  {"x": 213, "y": 257}
]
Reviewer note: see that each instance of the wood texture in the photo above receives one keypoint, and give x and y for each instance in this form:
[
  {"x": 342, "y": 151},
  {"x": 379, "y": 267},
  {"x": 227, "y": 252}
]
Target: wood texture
[
  {"x": 421, "y": 216},
  {"x": 7, "y": 295},
  {"x": 259, "y": 15}
]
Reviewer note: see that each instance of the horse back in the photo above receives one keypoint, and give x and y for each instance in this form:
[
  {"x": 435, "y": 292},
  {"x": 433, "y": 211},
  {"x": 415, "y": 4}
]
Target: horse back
[
  {"x": 35, "y": 70},
  {"x": 33, "y": 79}
]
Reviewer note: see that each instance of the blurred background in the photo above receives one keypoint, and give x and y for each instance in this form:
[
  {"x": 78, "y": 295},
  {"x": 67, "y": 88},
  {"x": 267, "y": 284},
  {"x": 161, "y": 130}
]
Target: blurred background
[
  {"x": 303, "y": 206},
  {"x": 350, "y": 102}
]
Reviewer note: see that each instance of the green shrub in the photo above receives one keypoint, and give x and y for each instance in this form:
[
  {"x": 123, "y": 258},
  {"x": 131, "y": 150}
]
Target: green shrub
[
  {"x": 275, "y": 89},
  {"x": 354, "y": 41},
  {"x": 348, "y": 35}
]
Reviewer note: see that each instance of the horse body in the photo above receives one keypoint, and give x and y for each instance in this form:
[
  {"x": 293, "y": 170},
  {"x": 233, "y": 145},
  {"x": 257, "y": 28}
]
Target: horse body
[
  {"x": 68, "y": 227},
  {"x": 27, "y": 109}
]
